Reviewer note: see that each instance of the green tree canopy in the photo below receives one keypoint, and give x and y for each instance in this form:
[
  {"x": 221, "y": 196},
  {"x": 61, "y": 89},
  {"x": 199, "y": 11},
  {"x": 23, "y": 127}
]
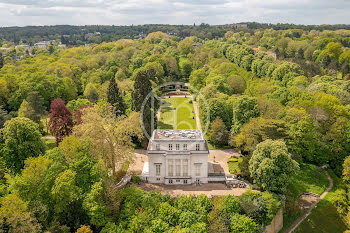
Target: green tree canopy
[{"x": 272, "y": 166}]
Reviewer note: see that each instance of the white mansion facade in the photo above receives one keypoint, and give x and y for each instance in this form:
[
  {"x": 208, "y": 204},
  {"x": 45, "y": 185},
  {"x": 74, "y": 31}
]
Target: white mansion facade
[{"x": 177, "y": 157}]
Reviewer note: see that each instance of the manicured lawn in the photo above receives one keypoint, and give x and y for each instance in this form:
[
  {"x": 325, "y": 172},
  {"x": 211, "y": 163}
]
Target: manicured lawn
[
  {"x": 324, "y": 218},
  {"x": 233, "y": 164},
  {"x": 177, "y": 113},
  {"x": 309, "y": 178}
]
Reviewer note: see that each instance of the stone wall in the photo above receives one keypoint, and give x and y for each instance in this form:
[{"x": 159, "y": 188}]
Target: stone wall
[{"x": 276, "y": 224}]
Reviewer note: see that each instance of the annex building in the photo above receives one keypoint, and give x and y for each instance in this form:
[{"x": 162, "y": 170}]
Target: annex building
[{"x": 177, "y": 157}]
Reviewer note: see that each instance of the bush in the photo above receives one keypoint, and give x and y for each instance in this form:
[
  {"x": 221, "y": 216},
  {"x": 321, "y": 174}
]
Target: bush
[
  {"x": 232, "y": 159},
  {"x": 242, "y": 224},
  {"x": 135, "y": 178}
]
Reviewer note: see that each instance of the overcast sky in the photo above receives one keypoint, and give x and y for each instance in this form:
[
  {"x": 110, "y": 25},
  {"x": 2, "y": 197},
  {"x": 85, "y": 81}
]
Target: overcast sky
[{"x": 127, "y": 12}]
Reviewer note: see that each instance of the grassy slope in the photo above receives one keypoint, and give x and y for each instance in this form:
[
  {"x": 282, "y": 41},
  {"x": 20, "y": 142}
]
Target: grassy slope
[
  {"x": 324, "y": 218},
  {"x": 309, "y": 179},
  {"x": 177, "y": 113}
]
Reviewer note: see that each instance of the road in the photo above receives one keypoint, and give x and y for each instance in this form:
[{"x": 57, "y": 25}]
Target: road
[{"x": 308, "y": 212}]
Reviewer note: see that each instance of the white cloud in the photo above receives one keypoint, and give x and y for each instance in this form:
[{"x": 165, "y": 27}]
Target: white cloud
[{"x": 126, "y": 12}]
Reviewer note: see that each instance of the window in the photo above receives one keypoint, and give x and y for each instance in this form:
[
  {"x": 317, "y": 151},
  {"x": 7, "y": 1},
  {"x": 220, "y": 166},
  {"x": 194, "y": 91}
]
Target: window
[
  {"x": 185, "y": 146},
  {"x": 157, "y": 178},
  {"x": 177, "y": 146},
  {"x": 197, "y": 146},
  {"x": 185, "y": 181},
  {"x": 170, "y": 181},
  {"x": 170, "y": 146},
  {"x": 170, "y": 167},
  {"x": 157, "y": 169},
  {"x": 157, "y": 147},
  {"x": 197, "y": 169},
  {"x": 178, "y": 167},
  {"x": 178, "y": 181},
  {"x": 185, "y": 167}
]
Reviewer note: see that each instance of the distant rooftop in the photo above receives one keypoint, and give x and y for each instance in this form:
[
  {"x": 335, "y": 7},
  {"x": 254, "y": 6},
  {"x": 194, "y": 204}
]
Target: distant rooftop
[{"x": 177, "y": 134}]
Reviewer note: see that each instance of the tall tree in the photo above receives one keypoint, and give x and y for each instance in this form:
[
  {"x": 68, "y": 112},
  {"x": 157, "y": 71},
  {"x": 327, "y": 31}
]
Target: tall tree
[
  {"x": 272, "y": 166},
  {"x": 244, "y": 108},
  {"x": 22, "y": 140},
  {"x": 218, "y": 134},
  {"x": 16, "y": 215},
  {"x": 1, "y": 61},
  {"x": 35, "y": 106},
  {"x": 61, "y": 120},
  {"x": 111, "y": 136},
  {"x": 143, "y": 87},
  {"x": 114, "y": 98},
  {"x": 3, "y": 116}
]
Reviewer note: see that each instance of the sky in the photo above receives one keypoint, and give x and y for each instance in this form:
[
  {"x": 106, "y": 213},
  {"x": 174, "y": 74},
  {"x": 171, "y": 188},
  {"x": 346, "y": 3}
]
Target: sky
[{"x": 137, "y": 12}]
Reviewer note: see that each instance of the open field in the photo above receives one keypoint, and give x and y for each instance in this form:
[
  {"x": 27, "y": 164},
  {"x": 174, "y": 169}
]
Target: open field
[{"x": 177, "y": 113}]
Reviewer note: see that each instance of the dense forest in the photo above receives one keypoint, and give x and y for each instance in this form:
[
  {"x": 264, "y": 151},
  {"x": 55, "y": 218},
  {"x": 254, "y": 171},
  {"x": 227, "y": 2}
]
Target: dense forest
[
  {"x": 78, "y": 35},
  {"x": 280, "y": 96}
]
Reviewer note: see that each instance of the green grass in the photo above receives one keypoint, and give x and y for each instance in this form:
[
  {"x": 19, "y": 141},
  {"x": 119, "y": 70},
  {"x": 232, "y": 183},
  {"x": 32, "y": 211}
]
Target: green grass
[
  {"x": 309, "y": 178},
  {"x": 177, "y": 113},
  {"x": 50, "y": 143},
  {"x": 324, "y": 218},
  {"x": 233, "y": 165}
]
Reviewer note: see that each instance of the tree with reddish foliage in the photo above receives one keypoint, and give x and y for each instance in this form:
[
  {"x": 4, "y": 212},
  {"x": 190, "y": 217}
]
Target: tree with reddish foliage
[{"x": 61, "y": 120}]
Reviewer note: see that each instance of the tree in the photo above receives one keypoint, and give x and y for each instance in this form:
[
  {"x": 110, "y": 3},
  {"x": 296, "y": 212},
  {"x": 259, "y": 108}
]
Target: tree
[
  {"x": 185, "y": 68},
  {"x": 33, "y": 108},
  {"x": 257, "y": 130},
  {"x": 74, "y": 105},
  {"x": 91, "y": 93},
  {"x": 303, "y": 140},
  {"x": 95, "y": 206},
  {"x": 61, "y": 121},
  {"x": 23, "y": 109},
  {"x": 22, "y": 139},
  {"x": 143, "y": 87},
  {"x": 64, "y": 190},
  {"x": 3, "y": 116},
  {"x": 218, "y": 134},
  {"x": 242, "y": 224},
  {"x": 237, "y": 84},
  {"x": 114, "y": 98},
  {"x": 111, "y": 137},
  {"x": 1, "y": 61},
  {"x": 84, "y": 229},
  {"x": 244, "y": 108},
  {"x": 272, "y": 166},
  {"x": 15, "y": 216},
  {"x": 70, "y": 91}
]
